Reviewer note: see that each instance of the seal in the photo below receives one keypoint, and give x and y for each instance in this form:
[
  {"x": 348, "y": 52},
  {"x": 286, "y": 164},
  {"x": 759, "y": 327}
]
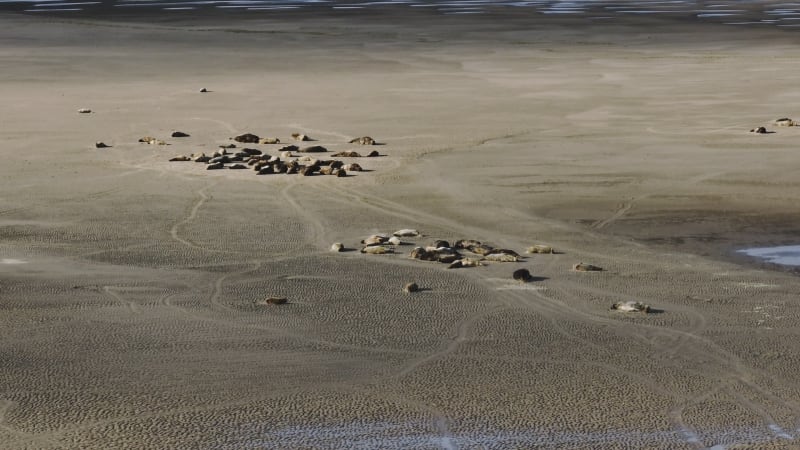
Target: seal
[
  {"x": 638, "y": 307},
  {"x": 406, "y": 232},
  {"x": 522, "y": 275},
  {"x": 101, "y": 145},
  {"x": 501, "y": 257},
  {"x": 759, "y": 130},
  {"x": 275, "y": 300},
  {"x": 179, "y": 134},
  {"x": 251, "y": 152},
  {"x": 202, "y": 158},
  {"x": 313, "y": 149},
  {"x": 377, "y": 250},
  {"x": 337, "y": 247},
  {"x": 464, "y": 262},
  {"x": 347, "y": 155},
  {"x": 540, "y": 248},
  {"x": 237, "y": 166},
  {"x": 181, "y": 158},
  {"x": 373, "y": 154},
  {"x": 365, "y": 140},
  {"x": 782, "y": 122},
  {"x": 353, "y": 167},
  {"x": 269, "y": 141},
  {"x": 411, "y": 287},
  {"x": 215, "y": 166},
  {"x": 84, "y": 111},
  {"x": 583, "y": 267},
  {"x": 300, "y": 137},
  {"x": 247, "y": 138},
  {"x": 152, "y": 141},
  {"x": 203, "y": 90},
  {"x": 375, "y": 239}
]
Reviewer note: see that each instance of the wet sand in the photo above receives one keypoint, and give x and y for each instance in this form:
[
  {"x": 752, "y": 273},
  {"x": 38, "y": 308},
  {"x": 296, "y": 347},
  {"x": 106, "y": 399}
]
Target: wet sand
[{"x": 130, "y": 285}]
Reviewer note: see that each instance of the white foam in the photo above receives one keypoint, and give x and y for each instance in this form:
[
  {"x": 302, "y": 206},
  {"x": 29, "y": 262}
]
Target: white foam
[{"x": 12, "y": 261}]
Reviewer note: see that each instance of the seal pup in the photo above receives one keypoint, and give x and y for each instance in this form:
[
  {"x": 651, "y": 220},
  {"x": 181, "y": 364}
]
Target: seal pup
[
  {"x": 84, "y": 110},
  {"x": 247, "y": 138},
  {"x": 631, "y": 307},
  {"x": 411, "y": 287},
  {"x": 583, "y": 267},
  {"x": 364, "y": 140},
  {"x": 759, "y": 130},
  {"x": 522, "y": 275},
  {"x": 179, "y": 134}
]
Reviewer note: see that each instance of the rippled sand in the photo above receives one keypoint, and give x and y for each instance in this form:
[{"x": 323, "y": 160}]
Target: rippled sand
[{"x": 130, "y": 286}]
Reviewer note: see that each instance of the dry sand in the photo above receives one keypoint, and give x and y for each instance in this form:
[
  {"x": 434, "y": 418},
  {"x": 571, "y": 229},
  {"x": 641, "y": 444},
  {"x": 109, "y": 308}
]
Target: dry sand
[{"x": 128, "y": 283}]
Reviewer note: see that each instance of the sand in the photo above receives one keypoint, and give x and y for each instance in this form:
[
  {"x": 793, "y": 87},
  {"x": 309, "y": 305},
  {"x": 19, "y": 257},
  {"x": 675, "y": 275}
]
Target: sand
[{"x": 131, "y": 288}]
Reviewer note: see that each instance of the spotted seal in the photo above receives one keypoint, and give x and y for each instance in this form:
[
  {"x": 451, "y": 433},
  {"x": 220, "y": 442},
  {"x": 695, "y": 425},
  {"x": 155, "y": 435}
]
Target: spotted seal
[
  {"x": 631, "y": 307},
  {"x": 540, "y": 248},
  {"x": 583, "y": 267},
  {"x": 300, "y": 137},
  {"x": 364, "y": 140},
  {"x": 347, "y": 155},
  {"x": 377, "y": 250}
]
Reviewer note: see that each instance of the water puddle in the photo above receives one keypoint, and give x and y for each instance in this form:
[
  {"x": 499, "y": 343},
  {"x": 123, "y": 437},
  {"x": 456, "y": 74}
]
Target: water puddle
[{"x": 787, "y": 255}]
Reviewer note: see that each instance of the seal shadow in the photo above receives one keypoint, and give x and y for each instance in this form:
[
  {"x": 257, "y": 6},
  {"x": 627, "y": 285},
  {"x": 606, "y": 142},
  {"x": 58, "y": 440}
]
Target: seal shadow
[{"x": 534, "y": 279}]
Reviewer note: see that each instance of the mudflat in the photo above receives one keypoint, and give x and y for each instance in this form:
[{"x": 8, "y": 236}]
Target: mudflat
[{"x": 134, "y": 290}]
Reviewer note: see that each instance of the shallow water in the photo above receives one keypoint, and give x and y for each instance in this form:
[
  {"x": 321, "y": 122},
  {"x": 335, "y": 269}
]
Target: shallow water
[
  {"x": 412, "y": 435},
  {"x": 734, "y": 12},
  {"x": 787, "y": 255}
]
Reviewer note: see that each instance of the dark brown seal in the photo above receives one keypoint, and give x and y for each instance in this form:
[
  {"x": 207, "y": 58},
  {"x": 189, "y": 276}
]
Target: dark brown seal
[{"x": 247, "y": 138}]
